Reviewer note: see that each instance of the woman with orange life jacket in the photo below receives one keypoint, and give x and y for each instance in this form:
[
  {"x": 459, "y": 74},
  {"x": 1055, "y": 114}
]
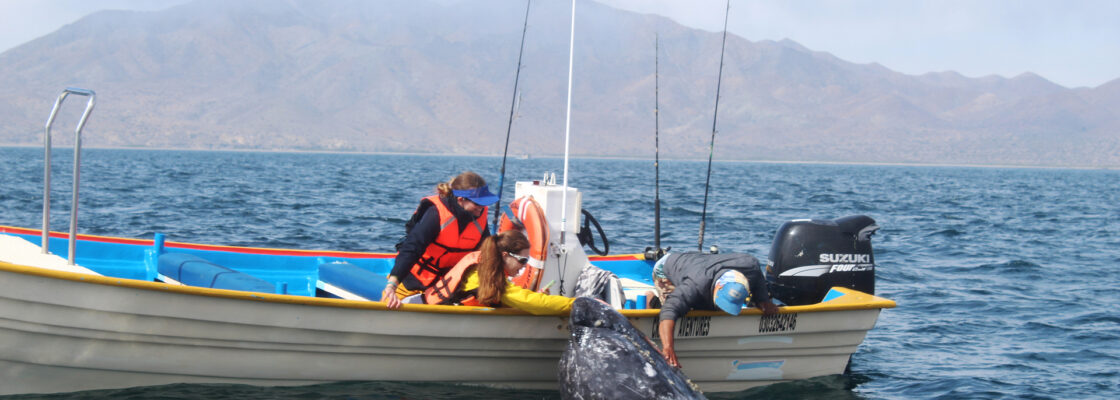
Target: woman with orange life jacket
[
  {"x": 445, "y": 227},
  {"x": 481, "y": 278}
]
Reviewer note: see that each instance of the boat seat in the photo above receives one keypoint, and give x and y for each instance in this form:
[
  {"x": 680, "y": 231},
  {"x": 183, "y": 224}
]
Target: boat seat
[
  {"x": 191, "y": 270},
  {"x": 349, "y": 281}
]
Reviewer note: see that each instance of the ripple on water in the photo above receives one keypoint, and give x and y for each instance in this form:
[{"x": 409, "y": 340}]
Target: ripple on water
[
  {"x": 1062, "y": 357},
  {"x": 946, "y": 233}
]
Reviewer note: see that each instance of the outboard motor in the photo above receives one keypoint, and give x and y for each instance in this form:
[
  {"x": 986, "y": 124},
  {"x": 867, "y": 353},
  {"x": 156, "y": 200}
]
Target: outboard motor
[{"x": 809, "y": 257}]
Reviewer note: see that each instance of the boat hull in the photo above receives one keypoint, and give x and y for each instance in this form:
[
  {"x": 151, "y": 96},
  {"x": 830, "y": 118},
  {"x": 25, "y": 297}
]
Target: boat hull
[{"x": 63, "y": 331}]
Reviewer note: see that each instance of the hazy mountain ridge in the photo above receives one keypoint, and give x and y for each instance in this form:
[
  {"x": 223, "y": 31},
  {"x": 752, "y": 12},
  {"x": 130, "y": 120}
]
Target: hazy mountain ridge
[{"x": 428, "y": 77}]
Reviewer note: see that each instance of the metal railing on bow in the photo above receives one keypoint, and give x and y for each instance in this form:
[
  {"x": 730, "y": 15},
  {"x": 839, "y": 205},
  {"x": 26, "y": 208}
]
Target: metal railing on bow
[{"x": 77, "y": 167}]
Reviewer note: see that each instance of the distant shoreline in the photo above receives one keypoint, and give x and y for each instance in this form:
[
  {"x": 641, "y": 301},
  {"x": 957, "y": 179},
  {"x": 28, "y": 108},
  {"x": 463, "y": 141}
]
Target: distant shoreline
[{"x": 587, "y": 157}]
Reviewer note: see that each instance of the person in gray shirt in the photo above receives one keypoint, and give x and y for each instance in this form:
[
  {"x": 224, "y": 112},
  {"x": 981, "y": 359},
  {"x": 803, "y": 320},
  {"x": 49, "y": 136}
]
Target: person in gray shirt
[{"x": 699, "y": 281}]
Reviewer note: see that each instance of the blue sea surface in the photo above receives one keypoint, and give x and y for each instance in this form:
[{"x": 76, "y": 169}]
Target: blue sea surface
[{"x": 1007, "y": 280}]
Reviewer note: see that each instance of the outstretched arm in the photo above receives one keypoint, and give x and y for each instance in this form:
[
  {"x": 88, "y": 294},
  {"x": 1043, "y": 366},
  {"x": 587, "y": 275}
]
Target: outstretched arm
[{"x": 666, "y": 331}]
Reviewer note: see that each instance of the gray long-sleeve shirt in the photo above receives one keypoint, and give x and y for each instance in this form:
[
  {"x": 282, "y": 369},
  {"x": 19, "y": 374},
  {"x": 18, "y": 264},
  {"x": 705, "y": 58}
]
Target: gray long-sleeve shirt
[{"x": 694, "y": 275}]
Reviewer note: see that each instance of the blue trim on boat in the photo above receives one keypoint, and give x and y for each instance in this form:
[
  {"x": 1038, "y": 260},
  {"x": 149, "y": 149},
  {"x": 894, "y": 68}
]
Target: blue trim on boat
[
  {"x": 759, "y": 364},
  {"x": 832, "y": 294}
]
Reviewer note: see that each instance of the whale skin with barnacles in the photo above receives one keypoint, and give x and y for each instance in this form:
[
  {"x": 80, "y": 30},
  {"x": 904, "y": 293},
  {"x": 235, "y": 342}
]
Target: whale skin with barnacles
[{"x": 607, "y": 358}]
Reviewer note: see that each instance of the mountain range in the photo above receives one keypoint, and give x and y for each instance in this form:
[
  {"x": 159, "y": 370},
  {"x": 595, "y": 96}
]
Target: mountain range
[{"x": 437, "y": 77}]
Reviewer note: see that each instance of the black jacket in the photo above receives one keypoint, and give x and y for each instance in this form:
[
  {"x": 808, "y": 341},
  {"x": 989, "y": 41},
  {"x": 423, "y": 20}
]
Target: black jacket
[
  {"x": 694, "y": 275},
  {"x": 421, "y": 235}
]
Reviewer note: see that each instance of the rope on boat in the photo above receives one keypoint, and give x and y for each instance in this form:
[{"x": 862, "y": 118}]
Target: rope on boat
[
  {"x": 509, "y": 127},
  {"x": 715, "y": 115}
]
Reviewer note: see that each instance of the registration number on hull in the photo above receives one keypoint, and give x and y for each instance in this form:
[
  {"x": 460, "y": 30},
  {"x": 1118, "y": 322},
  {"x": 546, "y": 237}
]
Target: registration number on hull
[{"x": 777, "y": 323}]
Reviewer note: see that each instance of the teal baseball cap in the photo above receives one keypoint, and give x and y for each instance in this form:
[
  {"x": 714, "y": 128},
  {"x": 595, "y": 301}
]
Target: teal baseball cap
[{"x": 730, "y": 292}]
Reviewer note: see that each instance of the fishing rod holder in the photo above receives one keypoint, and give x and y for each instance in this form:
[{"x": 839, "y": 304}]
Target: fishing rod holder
[{"x": 77, "y": 167}]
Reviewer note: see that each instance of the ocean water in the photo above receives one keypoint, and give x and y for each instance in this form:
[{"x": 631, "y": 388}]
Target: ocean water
[{"x": 1007, "y": 280}]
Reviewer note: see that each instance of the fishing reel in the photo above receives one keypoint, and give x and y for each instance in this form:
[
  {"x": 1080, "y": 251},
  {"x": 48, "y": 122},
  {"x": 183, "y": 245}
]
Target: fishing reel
[{"x": 653, "y": 254}]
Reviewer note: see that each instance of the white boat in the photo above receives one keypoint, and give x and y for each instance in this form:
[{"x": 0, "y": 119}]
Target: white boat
[{"x": 66, "y": 331}]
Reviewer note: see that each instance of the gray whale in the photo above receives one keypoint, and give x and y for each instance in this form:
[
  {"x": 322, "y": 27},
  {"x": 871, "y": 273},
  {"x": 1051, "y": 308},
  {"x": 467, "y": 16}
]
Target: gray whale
[{"x": 607, "y": 358}]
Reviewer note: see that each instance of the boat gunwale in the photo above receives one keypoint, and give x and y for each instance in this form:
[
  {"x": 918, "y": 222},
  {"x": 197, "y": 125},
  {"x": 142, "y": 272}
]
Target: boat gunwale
[{"x": 852, "y": 300}]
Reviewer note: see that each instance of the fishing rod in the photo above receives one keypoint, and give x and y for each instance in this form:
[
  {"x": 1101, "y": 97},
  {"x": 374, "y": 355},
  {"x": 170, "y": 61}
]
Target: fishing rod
[
  {"x": 715, "y": 115},
  {"x": 656, "y": 147},
  {"x": 657, "y": 251},
  {"x": 509, "y": 127}
]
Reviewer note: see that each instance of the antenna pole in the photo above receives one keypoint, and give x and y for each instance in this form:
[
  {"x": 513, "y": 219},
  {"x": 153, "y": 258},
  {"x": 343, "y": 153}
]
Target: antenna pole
[{"x": 568, "y": 127}]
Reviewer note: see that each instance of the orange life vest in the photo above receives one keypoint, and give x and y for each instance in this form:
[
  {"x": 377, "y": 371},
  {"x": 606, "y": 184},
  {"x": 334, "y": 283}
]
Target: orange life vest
[
  {"x": 450, "y": 245},
  {"x": 446, "y": 289}
]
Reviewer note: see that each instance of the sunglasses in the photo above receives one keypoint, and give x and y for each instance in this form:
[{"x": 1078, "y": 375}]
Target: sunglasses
[{"x": 520, "y": 259}]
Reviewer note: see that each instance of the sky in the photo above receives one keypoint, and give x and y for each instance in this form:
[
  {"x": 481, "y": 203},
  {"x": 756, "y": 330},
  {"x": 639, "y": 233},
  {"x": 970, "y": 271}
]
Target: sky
[{"x": 1074, "y": 43}]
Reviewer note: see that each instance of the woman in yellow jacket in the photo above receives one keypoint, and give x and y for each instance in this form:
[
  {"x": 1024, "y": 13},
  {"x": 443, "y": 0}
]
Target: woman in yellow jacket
[{"x": 481, "y": 278}]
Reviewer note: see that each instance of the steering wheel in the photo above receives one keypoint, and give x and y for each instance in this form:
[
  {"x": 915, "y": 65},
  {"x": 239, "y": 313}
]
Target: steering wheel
[{"x": 585, "y": 237}]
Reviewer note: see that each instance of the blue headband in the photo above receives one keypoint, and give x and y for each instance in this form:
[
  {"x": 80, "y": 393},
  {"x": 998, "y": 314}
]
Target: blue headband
[
  {"x": 480, "y": 195},
  {"x": 472, "y": 193}
]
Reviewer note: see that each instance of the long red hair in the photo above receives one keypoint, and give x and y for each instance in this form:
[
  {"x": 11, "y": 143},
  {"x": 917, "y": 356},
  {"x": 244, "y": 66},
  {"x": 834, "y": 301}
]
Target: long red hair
[{"x": 491, "y": 264}]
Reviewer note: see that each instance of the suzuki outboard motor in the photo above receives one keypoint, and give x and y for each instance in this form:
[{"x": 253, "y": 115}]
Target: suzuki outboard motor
[{"x": 809, "y": 257}]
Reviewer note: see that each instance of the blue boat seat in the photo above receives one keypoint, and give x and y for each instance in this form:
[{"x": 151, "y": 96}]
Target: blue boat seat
[
  {"x": 349, "y": 281},
  {"x": 194, "y": 271}
]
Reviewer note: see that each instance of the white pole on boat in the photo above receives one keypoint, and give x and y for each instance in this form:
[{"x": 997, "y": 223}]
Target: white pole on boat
[{"x": 568, "y": 127}]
